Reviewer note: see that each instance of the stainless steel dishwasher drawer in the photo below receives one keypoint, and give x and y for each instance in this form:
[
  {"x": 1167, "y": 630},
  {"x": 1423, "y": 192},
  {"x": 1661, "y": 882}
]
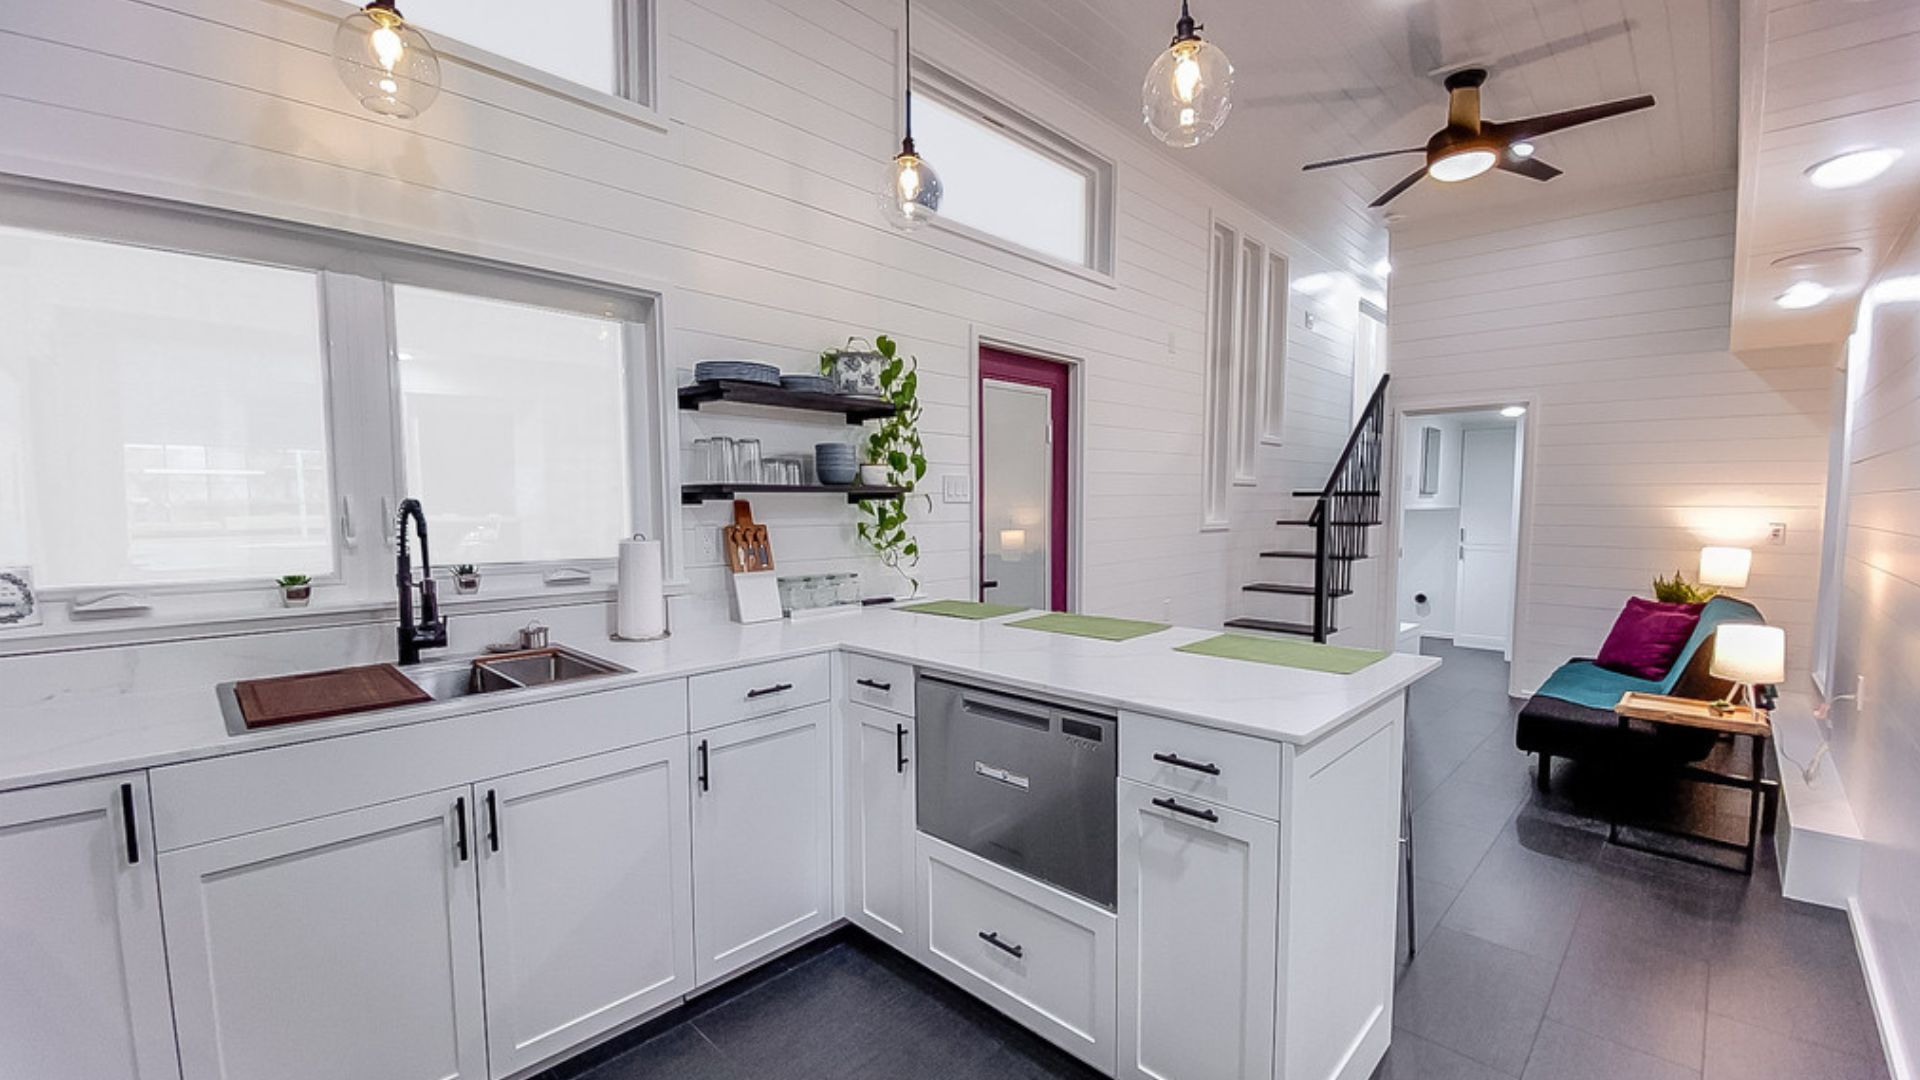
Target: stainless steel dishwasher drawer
[{"x": 1027, "y": 784}]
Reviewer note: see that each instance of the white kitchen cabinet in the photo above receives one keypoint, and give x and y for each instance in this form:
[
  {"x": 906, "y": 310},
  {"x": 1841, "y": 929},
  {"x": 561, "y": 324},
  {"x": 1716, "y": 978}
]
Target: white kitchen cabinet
[
  {"x": 879, "y": 806},
  {"x": 1199, "y": 918},
  {"x": 340, "y": 948},
  {"x": 586, "y": 898},
  {"x": 84, "y": 990},
  {"x": 762, "y": 837}
]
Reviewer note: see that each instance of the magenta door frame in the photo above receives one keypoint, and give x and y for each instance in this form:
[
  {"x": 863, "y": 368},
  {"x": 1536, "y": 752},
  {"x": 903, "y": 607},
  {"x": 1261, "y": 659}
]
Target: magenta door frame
[{"x": 1003, "y": 366}]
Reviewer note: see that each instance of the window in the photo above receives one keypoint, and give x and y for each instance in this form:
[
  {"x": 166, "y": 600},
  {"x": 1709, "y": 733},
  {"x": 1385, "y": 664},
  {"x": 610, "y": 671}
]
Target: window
[
  {"x": 163, "y": 417},
  {"x": 1252, "y": 360},
  {"x": 604, "y": 45},
  {"x": 1217, "y": 435},
  {"x": 1274, "y": 377},
  {"x": 1011, "y": 179},
  {"x": 514, "y": 425}
]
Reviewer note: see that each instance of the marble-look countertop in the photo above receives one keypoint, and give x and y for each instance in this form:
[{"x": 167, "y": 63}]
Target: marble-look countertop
[{"x": 81, "y": 734}]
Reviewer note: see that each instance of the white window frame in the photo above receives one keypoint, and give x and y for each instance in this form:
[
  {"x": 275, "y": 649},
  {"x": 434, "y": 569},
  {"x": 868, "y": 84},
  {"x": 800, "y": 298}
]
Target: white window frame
[
  {"x": 950, "y": 90},
  {"x": 365, "y": 456},
  {"x": 1273, "y": 373},
  {"x": 1220, "y": 373},
  {"x": 1250, "y": 358}
]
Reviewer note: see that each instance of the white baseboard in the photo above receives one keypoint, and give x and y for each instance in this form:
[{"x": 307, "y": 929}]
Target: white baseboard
[{"x": 1891, "y": 1043}]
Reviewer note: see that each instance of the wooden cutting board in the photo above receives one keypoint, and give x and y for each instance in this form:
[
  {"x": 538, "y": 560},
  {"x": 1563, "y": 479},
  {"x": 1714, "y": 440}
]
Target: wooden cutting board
[{"x": 293, "y": 698}]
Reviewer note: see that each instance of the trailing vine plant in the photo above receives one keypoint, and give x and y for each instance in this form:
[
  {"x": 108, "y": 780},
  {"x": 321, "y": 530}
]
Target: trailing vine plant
[{"x": 894, "y": 443}]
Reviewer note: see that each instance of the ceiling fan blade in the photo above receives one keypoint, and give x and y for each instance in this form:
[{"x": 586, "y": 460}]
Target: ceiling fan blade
[
  {"x": 1547, "y": 123},
  {"x": 1330, "y": 163},
  {"x": 1393, "y": 192},
  {"x": 1531, "y": 168}
]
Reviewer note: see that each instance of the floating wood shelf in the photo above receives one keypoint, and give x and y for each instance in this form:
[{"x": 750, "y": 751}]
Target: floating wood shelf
[
  {"x": 857, "y": 410},
  {"x": 695, "y": 494}
]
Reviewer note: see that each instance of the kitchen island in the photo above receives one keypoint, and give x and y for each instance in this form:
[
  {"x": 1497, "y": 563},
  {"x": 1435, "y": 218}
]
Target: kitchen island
[{"x": 618, "y": 844}]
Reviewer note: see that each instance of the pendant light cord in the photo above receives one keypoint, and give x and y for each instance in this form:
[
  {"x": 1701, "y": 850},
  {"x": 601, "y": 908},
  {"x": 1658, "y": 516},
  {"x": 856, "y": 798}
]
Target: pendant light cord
[{"x": 908, "y": 148}]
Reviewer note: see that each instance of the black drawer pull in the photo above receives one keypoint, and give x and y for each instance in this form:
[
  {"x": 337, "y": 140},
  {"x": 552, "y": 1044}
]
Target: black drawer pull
[
  {"x": 1191, "y": 811},
  {"x": 704, "y": 785},
  {"x": 993, "y": 938},
  {"x": 460, "y": 837},
  {"x": 130, "y": 823},
  {"x": 900, "y": 748},
  {"x": 493, "y": 821},
  {"x": 1179, "y": 762},
  {"x": 776, "y": 688},
  {"x": 876, "y": 684}
]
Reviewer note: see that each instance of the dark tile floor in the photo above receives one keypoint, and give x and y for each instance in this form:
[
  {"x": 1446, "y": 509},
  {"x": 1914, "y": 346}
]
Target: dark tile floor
[{"x": 1545, "y": 953}]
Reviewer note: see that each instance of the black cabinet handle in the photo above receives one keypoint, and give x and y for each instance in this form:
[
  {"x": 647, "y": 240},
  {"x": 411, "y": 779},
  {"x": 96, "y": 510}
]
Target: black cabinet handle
[
  {"x": 704, "y": 785},
  {"x": 493, "y": 822},
  {"x": 900, "y": 748},
  {"x": 130, "y": 823},
  {"x": 875, "y": 684},
  {"x": 460, "y": 837},
  {"x": 1179, "y": 762},
  {"x": 993, "y": 938},
  {"x": 776, "y": 688},
  {"x": 1191, "y": 811}
]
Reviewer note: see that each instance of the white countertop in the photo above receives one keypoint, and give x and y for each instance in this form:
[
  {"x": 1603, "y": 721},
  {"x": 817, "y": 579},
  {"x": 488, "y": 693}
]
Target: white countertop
[{"x": 88, "y": 735}]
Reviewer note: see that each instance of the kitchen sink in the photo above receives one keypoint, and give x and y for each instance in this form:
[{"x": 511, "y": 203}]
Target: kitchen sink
[{"x": 449, "y": 680}]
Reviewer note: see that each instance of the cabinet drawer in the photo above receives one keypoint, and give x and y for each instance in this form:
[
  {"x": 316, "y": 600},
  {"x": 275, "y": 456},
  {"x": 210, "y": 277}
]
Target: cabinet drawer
[
  {"x": 1046, "y": 959},
  {"x": 883, "y": 684},
  {"x": 1238, "y": 771},
  {"x": 723, "y": 697}
]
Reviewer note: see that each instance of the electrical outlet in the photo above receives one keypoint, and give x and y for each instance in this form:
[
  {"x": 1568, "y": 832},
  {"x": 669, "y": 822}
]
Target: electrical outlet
[
  {"x": 706, "y": 544},
  {"x": 956, "y": 488},
  {"x": 1777, "y": 533}
]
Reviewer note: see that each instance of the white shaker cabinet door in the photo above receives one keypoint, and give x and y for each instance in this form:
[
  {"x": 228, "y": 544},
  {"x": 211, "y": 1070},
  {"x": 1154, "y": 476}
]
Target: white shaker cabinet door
[
  {"x": 762, "y": 837},
  {"x": 586, "y": 898},
  {"x": 1199, "y": 914},
  {"x": 342, "y": 948},
  {"x": 879, "y": 802},
  {"x": 83, "y": 966}
]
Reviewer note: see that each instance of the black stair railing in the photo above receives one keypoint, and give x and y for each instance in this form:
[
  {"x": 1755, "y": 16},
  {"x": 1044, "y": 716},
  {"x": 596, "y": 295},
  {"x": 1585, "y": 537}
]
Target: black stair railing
[{"x": 1345, "y": 508}]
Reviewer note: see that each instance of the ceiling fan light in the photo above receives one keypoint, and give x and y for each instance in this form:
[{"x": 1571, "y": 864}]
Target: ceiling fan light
[
  {"x": 1461, "y": 165},
  {"x": 1851, "y": 169},
  {"x": 1521, "y": 149}
]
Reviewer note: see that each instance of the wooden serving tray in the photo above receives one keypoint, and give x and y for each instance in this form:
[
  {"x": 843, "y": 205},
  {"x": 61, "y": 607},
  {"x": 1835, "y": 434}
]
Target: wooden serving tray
[
  {"x": 1688, "y": 712},
  {"x": 290, "y": 699}
]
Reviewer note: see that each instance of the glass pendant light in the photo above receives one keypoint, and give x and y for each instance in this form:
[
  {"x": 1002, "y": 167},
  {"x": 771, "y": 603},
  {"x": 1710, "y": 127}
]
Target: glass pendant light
[
  {"x": 388, "y": 64},
  {"x": 1189, "y": 90},
  {"x": 911, "y": 193}
]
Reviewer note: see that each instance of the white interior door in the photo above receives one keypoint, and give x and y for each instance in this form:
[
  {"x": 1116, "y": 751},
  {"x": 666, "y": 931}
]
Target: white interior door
[
  {"x": 1483, "y": 615},
  {"x": 1016, "y": 497}
]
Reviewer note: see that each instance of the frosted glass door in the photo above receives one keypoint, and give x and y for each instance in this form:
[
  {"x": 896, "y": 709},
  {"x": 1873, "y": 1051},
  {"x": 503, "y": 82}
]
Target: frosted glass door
[{"x": 1016, "y": 493}]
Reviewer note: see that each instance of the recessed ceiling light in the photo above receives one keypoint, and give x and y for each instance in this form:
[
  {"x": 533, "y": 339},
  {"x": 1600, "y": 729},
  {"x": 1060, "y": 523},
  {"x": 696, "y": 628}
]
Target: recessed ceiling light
[
  {"x": 1852, "y": 168},
  {"x": 1313, "y": 284},
  {"x": 1521, "y": 149},
  {"x": 1514, "y": 412},
  {"x": 1803, "y": 294},
  {"x": 1383, "y": 268},
  {"x": 1807, "y": 260}
]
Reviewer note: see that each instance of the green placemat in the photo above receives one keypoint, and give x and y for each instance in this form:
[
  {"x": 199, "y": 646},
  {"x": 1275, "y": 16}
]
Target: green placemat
[
  {"x": 963, "y": 609},
  {"x": 1092, "y": 626},
  {"x": 1332, "y": 659}
]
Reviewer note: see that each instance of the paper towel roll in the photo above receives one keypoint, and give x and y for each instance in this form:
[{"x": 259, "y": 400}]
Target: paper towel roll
[{"x": 642, "y": 603}]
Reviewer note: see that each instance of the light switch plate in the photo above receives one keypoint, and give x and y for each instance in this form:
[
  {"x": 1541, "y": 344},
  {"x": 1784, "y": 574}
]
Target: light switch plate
[
  {"x": 1777, "y": 533},
  {"x": 956, "y": 488}
]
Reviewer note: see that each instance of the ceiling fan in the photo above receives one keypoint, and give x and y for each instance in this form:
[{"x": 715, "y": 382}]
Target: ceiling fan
[{"x": 1469, "y": 145}]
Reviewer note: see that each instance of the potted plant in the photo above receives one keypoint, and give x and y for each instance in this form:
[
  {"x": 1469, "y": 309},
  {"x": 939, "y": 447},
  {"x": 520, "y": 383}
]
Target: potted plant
[
  {"x": 466, "y": 579},
  {"x": 894, "y": 444},
  {"x": 1678, "y": 590},
  {"x": 295, "y": 590}
]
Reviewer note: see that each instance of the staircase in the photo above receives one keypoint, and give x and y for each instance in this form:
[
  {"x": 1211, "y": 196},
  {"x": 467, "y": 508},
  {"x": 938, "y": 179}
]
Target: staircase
[{"x": 1343, "y": 515}]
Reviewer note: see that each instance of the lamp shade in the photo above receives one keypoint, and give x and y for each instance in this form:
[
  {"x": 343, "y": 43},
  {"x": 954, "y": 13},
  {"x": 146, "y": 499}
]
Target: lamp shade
[
  {"x": 1749, "y": 653},
  {"x": 1725, "y": 567}
]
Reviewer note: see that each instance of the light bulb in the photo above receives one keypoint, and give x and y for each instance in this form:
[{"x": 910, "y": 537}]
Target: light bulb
[
  {"x": 388, "y": 64},
  {"x": 1462, "y": 165},
  {"x": 912, "y": 191},
  {"x": 1189, "y": 90}
]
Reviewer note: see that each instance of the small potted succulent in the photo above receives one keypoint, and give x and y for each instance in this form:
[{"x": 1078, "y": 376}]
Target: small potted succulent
[
  {"x": 466, "y": 579},
  {"x": 295, "y": 590}
]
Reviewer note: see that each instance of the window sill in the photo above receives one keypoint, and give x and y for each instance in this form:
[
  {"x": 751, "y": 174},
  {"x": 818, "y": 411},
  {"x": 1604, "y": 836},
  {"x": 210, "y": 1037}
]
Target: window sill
[{"x": 968, "y": 232}]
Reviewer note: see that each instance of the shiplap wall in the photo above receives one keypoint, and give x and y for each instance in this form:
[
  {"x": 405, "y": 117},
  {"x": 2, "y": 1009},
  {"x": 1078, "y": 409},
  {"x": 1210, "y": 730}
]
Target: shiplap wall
[
  {"x": 755, "y": 212},
  {"x": 1877, "y": 738},
  {"x": 1651, "y": 439}
]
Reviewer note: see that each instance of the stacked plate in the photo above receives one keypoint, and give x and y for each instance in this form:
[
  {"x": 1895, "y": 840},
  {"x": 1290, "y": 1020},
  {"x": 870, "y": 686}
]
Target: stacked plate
[
  {"x": 808, "y": 384},
  {"x": 736, "y": 371},
  {"x": 834, "y": 463}
]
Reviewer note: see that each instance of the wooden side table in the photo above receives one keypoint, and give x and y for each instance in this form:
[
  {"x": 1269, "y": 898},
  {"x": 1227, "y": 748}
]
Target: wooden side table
[{"x": 1692, "y": 713}]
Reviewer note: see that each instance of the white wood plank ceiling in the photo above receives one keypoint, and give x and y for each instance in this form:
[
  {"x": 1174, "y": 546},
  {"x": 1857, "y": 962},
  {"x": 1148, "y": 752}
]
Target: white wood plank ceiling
[{"x": 1325, "y": 78}]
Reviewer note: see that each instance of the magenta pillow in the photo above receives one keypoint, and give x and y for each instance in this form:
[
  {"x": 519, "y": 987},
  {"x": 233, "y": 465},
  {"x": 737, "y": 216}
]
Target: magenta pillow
[{"x": 1647, "y": 638}]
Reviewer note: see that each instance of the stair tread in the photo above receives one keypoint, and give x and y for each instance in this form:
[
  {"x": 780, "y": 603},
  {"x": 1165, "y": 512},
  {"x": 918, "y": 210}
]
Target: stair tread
[
  {"x": 1273, "y": 626},
  {"x": 1304, "y": 521},
  {"x": 1291, "y": 590},
  {"x": 1305, "y": 555},
  {"x": 1316, "y": 493}
]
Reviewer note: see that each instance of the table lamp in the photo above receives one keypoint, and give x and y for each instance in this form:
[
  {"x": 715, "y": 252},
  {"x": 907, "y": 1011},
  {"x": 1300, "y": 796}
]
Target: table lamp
[
  {"x": 1725, "y": 567},
  {"x": 1749, "y": 654}
]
